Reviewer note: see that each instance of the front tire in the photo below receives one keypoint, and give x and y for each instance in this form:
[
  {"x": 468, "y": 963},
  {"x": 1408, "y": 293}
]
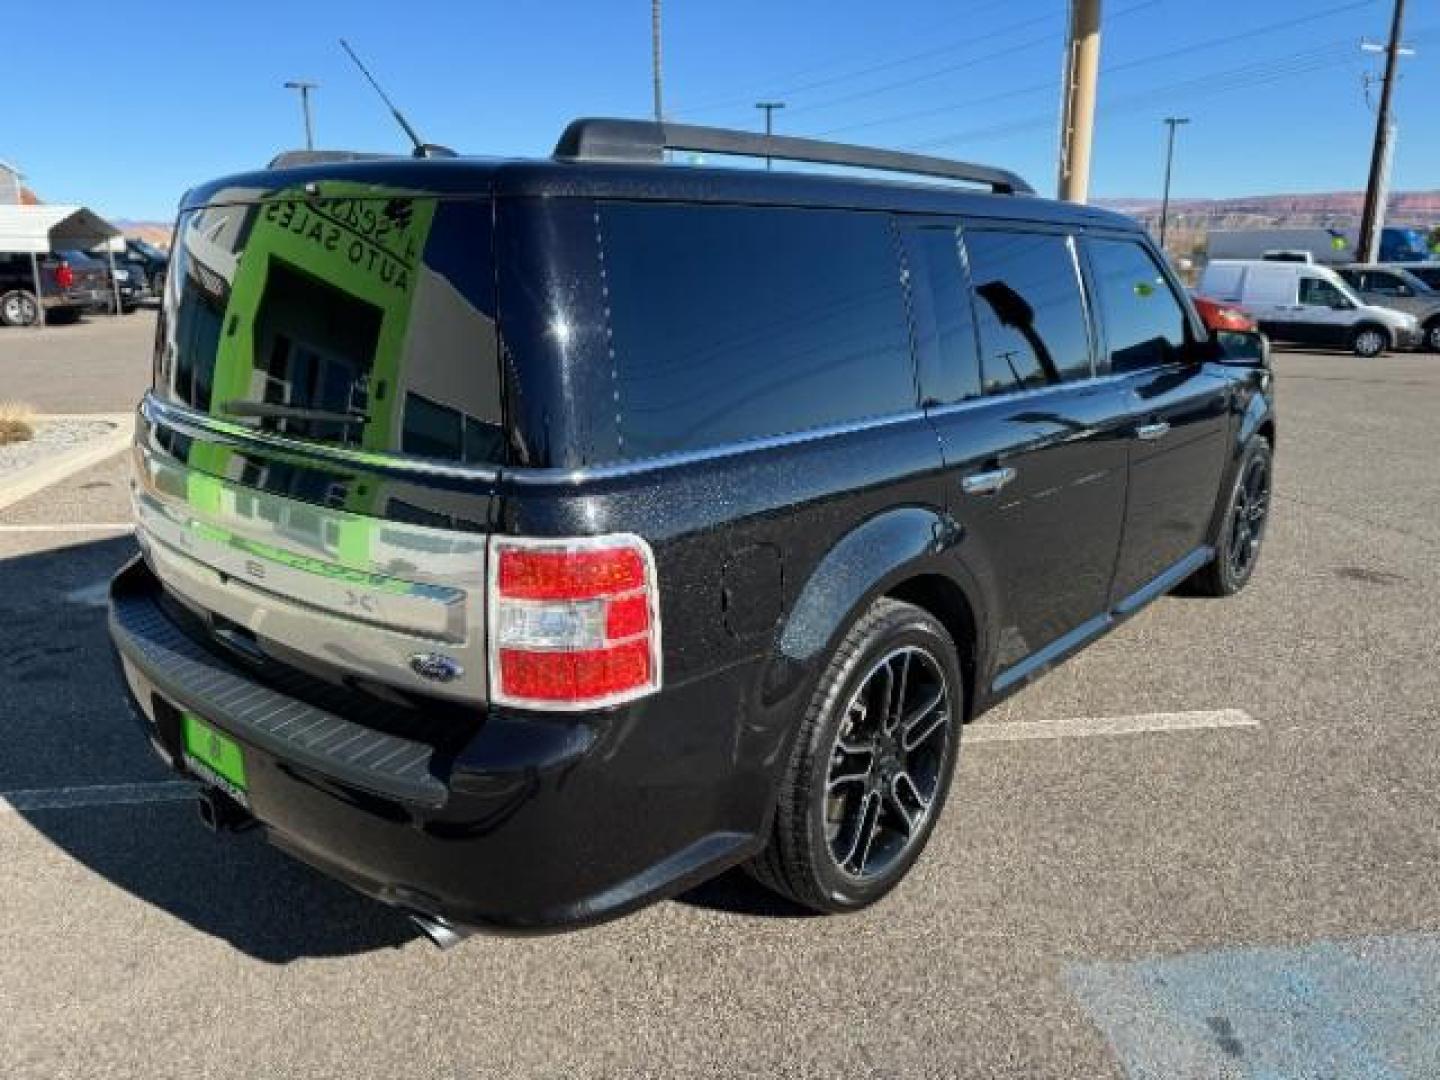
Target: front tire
[
  {"x": 1368, "y": 342},
  {"x": 871, "y": 766},
  {"x": 1237, "y": 548},
  {"x": 1432, "y": 335}
]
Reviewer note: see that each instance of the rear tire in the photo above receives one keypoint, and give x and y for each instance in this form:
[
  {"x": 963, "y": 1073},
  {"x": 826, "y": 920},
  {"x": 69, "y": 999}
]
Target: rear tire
[
  {"x": 871, "y": 765},
  {"x": 1369, "y": 341},
  {"x": 19, "y": 308},
  {"x": 1237, "y": 548},
  {"x": 1432, "y": 335}
]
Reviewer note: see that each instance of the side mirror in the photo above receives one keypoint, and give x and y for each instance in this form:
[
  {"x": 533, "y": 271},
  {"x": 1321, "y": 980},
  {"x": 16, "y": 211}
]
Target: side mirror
[
  {"x": 1341, "y": 305},
  {"x": 1243, "y": 348}
]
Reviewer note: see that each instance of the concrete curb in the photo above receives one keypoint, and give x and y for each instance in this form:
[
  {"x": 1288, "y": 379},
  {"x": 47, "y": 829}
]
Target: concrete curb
[{"x": 23, "y": 483}]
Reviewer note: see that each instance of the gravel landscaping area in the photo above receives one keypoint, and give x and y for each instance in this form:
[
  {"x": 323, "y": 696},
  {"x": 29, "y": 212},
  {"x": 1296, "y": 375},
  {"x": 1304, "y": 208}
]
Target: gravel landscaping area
[{"x": 52, "y": 437}]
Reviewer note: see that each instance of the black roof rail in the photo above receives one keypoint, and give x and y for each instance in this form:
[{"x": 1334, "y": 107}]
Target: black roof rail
[{"x": 645, "y": 141}]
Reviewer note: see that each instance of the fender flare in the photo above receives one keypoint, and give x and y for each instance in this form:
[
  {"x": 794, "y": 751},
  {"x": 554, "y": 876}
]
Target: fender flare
[{"x": 879, "y": 554}]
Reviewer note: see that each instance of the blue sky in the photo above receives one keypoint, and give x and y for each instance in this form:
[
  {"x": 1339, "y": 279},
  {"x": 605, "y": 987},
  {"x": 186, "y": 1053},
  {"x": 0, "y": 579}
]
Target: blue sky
[{"x": 121, "y": 106}]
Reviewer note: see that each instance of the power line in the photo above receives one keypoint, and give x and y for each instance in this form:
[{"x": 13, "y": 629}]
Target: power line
[
  {"x": 1106, "y": 69},
  {"x": 900, "y": 84},
  {"x": 961, "y": 66},
  {"x": 855, "y": 73},
  {"x": 1220, "y": 82}
]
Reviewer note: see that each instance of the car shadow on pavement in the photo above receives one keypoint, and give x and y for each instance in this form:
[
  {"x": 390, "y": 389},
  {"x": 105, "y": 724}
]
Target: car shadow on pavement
[
  {"x": 737, "y": 893},
  {"x": 66, "y": 725}
]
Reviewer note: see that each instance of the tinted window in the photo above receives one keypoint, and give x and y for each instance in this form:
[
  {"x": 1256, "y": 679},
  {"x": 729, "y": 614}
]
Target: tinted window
[
  {"x": 1144, "y": 323},
  {"x": 1428, "y": 274},
  {"x": 1027, "y": 301},
  {"x": 1318, "y": 293},
  {"x": 1387, "y": 284},
  {"x": 944, "y": 316},
  {"x": 367, "y": 323},
  {"x": 732, "y": 323}
]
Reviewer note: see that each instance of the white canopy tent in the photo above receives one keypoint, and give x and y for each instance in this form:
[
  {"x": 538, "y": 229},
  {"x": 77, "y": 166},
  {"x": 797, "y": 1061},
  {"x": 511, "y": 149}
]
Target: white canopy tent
[{"x": 36, "y": 230}]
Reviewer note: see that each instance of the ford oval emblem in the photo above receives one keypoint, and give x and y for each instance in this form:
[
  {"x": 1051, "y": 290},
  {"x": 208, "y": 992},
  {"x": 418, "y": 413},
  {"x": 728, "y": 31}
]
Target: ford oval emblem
[{"x": 435, "y": 667}]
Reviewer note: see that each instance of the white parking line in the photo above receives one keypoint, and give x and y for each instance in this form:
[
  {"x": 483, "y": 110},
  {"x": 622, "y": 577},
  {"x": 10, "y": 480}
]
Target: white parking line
[
  {"x": 74, "y": 526},
  {"x": 72, "y": 798},
  {"x": 1109, "y": 725}
]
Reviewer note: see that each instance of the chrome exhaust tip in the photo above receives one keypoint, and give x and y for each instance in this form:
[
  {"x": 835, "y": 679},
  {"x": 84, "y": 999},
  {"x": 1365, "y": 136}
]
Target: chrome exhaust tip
[{"x": 443, "y": 934}]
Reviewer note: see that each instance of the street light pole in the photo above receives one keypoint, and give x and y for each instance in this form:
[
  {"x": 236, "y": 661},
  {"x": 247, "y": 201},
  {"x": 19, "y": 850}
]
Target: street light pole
[
  {"x": 305, "y": 88},
  {"x": 655, "y": 58},
  {"x": 769, "y": 107},
  {"x": 1172, "y": 122}
]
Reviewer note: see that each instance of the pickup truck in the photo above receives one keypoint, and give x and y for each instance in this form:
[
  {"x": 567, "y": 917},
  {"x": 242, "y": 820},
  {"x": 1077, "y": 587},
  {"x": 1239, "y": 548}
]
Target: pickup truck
[{"x": 71, "y": 282}]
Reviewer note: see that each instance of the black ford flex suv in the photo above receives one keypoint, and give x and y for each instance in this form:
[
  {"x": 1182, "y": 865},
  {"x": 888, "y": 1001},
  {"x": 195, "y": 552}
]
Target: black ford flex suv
[{"x": 523, "y": 541}]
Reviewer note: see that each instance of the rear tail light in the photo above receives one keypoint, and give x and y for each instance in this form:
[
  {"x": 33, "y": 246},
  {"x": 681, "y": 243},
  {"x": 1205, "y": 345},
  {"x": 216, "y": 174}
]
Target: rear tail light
[
  {"x": 574, "y": 624},
  {"x": 64, "y": 276}
]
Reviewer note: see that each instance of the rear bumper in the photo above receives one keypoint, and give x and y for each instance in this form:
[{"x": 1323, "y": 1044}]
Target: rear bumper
[
  {"x": 538, "y": 823},
  {"x": 79, "y": 300}
]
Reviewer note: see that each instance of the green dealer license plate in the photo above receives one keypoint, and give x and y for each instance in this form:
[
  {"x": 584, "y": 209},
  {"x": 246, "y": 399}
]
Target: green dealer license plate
[{"x": 214, "y": 757}]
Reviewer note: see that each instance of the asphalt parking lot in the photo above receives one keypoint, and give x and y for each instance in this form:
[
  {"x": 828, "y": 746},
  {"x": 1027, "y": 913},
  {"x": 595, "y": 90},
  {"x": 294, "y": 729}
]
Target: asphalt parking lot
[{"x": 1251, "y": 891}]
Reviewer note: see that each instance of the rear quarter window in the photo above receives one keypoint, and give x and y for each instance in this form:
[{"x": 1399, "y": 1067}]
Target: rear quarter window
[
  {"x": 1033, "y": 331},
  {"x": 736, "y": 323}
]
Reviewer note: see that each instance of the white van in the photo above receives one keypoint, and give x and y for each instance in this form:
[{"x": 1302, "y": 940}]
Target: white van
[{"x": 1309, "y": 305}]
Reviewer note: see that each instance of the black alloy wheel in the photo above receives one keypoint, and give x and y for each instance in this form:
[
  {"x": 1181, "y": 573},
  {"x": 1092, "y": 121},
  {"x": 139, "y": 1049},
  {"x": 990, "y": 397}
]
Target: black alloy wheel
[
  {"x": 871, "y": 766},
  {"x": 885, "y": 768},
  {"x": 1237, "y": 541},
  {"x": 1248, "y": 514}
]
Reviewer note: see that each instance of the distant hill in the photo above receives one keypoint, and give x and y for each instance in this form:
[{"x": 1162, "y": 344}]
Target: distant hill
[
  {"x": 1192, "y": 219},
  {"x": 154, "y": 232},
  {"x": 1335, "y": 208}
]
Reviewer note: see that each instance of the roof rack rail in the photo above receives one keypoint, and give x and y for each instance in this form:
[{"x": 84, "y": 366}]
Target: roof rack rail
[{"x": 645, "y": 141}]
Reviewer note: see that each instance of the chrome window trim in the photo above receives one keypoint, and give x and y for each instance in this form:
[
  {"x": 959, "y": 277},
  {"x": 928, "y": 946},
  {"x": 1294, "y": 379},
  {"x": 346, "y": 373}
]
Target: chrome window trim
[
  {"x": 184, "y": 419},
  {"x": 1092, "y": 334}
]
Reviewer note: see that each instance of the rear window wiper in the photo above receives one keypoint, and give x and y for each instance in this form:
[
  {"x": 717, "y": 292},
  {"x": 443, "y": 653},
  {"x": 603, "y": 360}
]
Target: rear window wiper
[{"x": 290, "y": 412}]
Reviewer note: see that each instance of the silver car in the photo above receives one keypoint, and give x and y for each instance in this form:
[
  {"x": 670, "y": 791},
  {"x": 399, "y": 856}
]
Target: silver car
[{"x": 1393, "y": 285}]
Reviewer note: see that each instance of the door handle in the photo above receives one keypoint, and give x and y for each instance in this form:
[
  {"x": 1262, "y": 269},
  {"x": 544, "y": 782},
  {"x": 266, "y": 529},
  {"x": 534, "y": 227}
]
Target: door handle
[
  {"x": 987, "y": 483},
  {"x": 1150, "y": 432}
]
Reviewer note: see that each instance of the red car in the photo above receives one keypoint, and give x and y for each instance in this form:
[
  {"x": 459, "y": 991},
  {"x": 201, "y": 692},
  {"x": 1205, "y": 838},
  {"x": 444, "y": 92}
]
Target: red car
[
  {"x": 1218, "y": 315},
  {"x": 1234, "y": 328}
]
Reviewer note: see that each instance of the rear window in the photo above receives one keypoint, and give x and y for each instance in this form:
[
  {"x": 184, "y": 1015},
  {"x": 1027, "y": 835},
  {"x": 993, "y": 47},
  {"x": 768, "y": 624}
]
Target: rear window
[
  {"x": 367, "y": 323},
  {"x": 735, "y": 323}
]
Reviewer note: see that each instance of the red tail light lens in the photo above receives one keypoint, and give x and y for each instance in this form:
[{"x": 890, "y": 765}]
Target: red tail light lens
[
  {"x": 64, "y": 276},
  {"x": 574, "y": 624}
]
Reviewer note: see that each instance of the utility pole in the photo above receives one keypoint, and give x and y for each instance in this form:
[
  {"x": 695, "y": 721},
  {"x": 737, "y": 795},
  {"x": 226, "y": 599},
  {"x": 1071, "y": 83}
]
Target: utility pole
[
  {"x": 655, "y": 57},
  {"x": 1172, "y": 122},
  {"x": 769, "y": 107},
  {"x": 1376, "y": 193},
  {"x": 305, "y": 88},
  {"x": 1077, "y": 105}
]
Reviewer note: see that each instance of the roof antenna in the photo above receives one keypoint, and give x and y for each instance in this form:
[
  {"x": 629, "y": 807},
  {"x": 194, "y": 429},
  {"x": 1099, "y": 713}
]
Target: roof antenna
[{"x": 422, "y": 149}]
